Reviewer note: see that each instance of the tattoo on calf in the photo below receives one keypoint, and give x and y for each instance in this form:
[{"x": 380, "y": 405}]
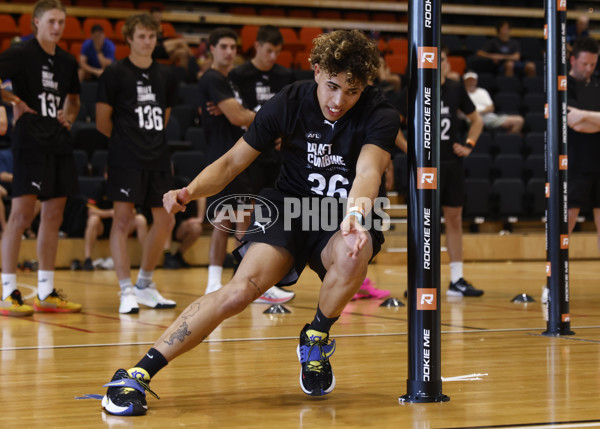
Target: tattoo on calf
[
  {"x": 256, "y": 286},
  {"x": 179, "y": 334},
  {"x": 191, "y": 311}
]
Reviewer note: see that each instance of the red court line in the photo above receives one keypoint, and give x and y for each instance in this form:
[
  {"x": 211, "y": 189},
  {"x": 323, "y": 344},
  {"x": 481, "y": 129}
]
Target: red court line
[
  {"x": 104, "y": 316},
  {"x": 59, "y": 325}
]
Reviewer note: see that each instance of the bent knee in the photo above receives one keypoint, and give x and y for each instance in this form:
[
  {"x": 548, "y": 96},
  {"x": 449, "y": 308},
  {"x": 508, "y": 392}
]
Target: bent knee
[{"x": 239, "y": 294}]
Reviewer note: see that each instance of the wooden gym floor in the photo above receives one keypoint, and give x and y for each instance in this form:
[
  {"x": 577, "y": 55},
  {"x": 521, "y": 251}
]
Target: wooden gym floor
[{"x": 498, "y": 370}]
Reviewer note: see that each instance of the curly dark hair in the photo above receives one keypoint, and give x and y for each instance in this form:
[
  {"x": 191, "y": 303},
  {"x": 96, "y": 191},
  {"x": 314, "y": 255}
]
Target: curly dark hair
[{"x": 346, "y": 52}]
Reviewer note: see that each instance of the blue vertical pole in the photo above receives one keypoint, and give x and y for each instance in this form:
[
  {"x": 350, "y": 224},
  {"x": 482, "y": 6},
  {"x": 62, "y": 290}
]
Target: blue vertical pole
[
  {"x": 557, "y": 213},
  {"x": 424, "y": 383}
]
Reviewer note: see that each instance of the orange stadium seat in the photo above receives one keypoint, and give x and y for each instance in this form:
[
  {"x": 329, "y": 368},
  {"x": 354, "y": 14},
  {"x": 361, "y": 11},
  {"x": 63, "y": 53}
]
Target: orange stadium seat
[
  {"x": 272, "y": 11},
  {"x": 25, "y": 24},
  {"x": 89, "y": 3},
  {"x": 73, "y": 30},
  {"x": 242, "y": 10},
  {"x": 88, "y": 23},
  {"x": 120, "y": 4},
  {"x": 328, "y": 14},
  {"x": 5, "y": 45},
  {"x": 301, "y": 60},
  {"x": 398, "y": 46},
  {"x": 121, "y": 51},
  {"x": 75, "y": 49},
  {"x": 8, "y": 26},
  {"x": 308, "y": 34},
  {"x": 119, "y": 30},
  {"x": 457, "y": 63},
  {"x": 301, "y": 13},
  {"x": 397, "y": 63},
  {"x": 248, "y": 36},
  {"x": 285, "y": 59},
  {"x": 168, "y": 30}
]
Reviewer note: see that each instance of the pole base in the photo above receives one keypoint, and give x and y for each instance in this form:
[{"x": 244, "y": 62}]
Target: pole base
[
  {"x": 523, "y": 297},
  {"x": 558, "y": 334},
  {"x": 392, "y": 302},
  {"x": 422, "y": 399},
  {"x": 276, "y": 309}
]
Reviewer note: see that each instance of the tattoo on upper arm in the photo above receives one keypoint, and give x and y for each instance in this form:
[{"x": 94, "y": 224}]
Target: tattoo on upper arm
[
  {"x": 191, "y": 311},
  {"x": 179, "y": 334}
]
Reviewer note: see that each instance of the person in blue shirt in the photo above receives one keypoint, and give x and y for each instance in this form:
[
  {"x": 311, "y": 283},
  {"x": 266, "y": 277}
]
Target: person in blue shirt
[{"x": 96, "y": 54}]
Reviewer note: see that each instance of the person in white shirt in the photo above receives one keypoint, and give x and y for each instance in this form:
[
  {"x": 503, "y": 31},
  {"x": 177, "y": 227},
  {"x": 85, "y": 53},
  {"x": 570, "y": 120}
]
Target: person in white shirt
[{"x": 485, "y": 106}]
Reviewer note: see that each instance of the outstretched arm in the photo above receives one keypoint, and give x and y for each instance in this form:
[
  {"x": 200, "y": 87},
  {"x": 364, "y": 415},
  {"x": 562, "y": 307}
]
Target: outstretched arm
[
  {"x": 213, "y": 178},
  {"x": 370, "y": 167}
]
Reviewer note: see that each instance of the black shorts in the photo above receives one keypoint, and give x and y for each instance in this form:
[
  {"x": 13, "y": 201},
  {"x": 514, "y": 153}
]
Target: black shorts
[
  {"x": 452, "y": 183},
  {"x": 46, "y": 175},
  {"x": 144, "y": 188},
  {"x": 304, "y": 246},
  {"x": 584, "y": 191}
]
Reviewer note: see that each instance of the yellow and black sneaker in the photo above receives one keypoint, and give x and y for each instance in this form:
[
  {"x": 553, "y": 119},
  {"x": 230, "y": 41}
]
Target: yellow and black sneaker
[
  {"x": 126, "y": 393},
  {"x": 55, "y": 303},
  {"x": 316, "y": 375},
  {"x": 13, "y": 305}
]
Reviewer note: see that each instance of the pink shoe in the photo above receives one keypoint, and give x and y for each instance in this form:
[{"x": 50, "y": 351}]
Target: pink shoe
[{"x": 368, "y": 291}]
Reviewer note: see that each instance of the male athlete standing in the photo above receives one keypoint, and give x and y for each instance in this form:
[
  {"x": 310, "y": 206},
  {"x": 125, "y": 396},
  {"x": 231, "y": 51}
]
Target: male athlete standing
[
  {"x": 454, "y": 97},
  {"x": 46, "y": 102},
  {"x": 337, "y": 136},
  {"x": 135, "y": 96}
]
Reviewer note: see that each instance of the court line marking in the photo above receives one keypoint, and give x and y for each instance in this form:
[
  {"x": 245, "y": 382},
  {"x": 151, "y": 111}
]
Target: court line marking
[
  {"x": 468, "y": 377},
  {"x": 232, "y": 340},
  {"x": 552, "y": 425}
]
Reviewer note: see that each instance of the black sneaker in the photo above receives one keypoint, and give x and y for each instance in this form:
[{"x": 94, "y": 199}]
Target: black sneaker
[
  {"x": 171, "y": 262},
  {"x": 316, "y": 375},
  {"x": 88, "y": 265},
  {"x": 182, "y": 262},
  {"x": 463, "y": 288},
  {"x": 126, "y": 396}
]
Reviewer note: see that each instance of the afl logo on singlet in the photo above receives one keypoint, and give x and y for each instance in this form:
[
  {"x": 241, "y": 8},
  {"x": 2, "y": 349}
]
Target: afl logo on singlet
[{"x": 313, "y": 136}]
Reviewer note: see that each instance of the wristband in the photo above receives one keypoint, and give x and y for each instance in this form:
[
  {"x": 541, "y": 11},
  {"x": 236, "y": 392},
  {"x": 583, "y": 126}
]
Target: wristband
[
  {"x": 357, "y": 215},
  {"x": 470, "y": 143},
  {"x": 357, "y": 209}
]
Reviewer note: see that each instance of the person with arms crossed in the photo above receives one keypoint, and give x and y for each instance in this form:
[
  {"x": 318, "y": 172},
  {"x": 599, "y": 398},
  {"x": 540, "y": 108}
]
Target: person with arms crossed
[
  {"x": 351, "y": 123},
  {"x": 258, "y": 81},
  {"x": 583, "y": 119},
  {"x": 223, "y": 129},
  {"x": 135, "y": 96},
  {"x": 46, "y": 102}
]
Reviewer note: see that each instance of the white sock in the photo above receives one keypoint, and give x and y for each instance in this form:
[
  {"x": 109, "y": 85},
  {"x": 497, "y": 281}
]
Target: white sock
[
  {"x": 144, "y": 279},
  {"x": 125, "y": 283},
  {"x": 456, "y": 271},
  {"x": 9, "y": 285},
  {"x": 214, "y": 276},
  {"x": 45, "y": 284}
]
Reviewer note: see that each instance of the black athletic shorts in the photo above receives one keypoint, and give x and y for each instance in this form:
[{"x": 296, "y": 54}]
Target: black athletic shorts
[
  {"x": 144, "y": 188},
  {"x": 452, "y": 183},
  {"x": 305, "y": 246},
  {"x": 584, "y": 191},
  {"x": 47, "y": 175}
]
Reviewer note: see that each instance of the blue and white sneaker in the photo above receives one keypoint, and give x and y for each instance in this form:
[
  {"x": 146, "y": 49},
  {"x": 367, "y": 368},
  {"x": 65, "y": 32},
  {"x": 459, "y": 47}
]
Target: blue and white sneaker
[
  {"x": 126, "y": 395},
  {"x": 316, "y": 375}
]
